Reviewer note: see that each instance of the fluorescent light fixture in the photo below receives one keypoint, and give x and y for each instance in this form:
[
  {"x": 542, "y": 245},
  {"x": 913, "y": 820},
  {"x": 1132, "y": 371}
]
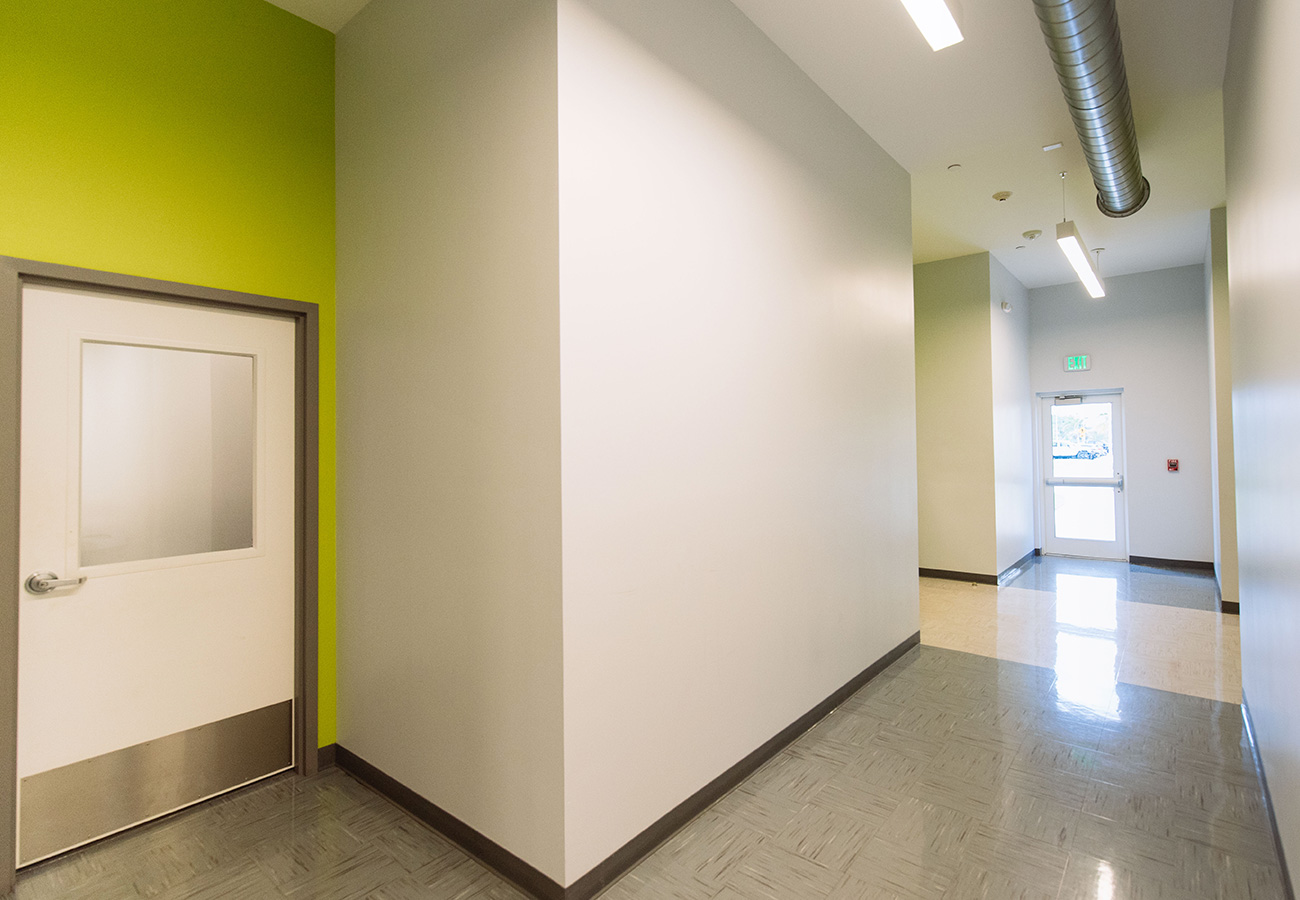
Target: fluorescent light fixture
[
  {"x": 1067, "y": 236},
  {"x": 935, "y": 21}
]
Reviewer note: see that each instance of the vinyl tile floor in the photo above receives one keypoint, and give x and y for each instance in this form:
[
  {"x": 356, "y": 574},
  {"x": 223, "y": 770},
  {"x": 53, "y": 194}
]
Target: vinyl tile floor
[{"x": 953, "y": 775}]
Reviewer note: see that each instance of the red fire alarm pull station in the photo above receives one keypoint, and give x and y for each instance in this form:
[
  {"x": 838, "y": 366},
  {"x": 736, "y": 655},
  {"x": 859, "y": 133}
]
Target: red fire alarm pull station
[{"x": 1172, "y": 465}]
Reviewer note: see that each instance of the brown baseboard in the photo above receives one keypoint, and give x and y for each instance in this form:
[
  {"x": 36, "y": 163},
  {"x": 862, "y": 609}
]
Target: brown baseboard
[
  {"x": 1287, "y": 886},
  {"x": 1229, "y": 607},
  {"x": 473, "y": 842},
  {"x": 631, "y": 853},
  {"x": 959, "y": 576},
  {"x": 626, "y": 857},
  {"x": 327, "y": 756},
  {"x": 1187, "y": 565}
]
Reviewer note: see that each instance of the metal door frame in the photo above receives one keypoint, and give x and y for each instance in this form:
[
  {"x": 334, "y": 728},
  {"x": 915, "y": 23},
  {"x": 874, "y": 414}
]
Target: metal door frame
[{"x": 14, "y": 274}]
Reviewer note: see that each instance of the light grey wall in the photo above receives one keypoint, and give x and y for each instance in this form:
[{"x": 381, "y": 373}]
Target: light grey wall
[
  {"x": 449, "y": 622},
  {"x": 957, "y": 496},
  {"x": 1013, "y": 416},
  {"x": 727, "y": 366},
  {"x": 738, "y": 404},
  {"x": 1261, "y": 95},
  {"x": 1222, "y": 456},
  {"x": 1148, "y": 337}
]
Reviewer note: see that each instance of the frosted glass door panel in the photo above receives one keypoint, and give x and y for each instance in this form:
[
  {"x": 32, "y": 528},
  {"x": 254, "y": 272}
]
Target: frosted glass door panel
[
  {"x": 1085, "y": 513},
  {"x": 168, "y": 452}
]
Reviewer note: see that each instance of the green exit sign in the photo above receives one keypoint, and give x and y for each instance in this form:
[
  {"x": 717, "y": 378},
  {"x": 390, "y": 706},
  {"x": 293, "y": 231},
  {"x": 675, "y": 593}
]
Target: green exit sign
[{"x": 1081, "y": 363}]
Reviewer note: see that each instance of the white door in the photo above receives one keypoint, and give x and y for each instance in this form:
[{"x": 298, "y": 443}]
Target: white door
[
  {"x": 1083, "y": 490},
  {"x": 157, "y": 482}
]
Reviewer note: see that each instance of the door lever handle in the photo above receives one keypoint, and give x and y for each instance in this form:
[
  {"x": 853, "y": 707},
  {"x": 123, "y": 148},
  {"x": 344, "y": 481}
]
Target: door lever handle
[{"x": 44, "y": 582}]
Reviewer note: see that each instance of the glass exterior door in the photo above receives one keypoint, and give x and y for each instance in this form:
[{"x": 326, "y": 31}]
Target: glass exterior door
[{"x": 1083, "y": 491}]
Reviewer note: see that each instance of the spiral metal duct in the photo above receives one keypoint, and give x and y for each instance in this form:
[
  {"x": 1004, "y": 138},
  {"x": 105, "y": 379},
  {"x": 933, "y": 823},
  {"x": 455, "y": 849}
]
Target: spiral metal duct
[{"x": 1083, "y": 37}]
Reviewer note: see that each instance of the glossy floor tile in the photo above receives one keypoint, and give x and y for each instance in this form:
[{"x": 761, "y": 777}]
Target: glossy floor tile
[
  {"x": 951, "y": 776},
  {"x": 1184, "y": 588},
  {"x": 1095, "y": 624}
]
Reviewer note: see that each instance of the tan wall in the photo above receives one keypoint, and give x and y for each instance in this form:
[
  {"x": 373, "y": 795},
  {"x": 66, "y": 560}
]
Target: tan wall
[
  {"x": 1222, "y": 457},
  {"x": 1013, "y": 417},
  {"x": 956, "y": 493},
  {"x": 449, "y": 398}
]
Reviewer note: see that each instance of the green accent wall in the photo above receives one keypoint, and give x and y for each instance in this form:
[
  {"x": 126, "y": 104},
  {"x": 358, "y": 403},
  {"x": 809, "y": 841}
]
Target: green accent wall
[{"x": 189, "y": 140}]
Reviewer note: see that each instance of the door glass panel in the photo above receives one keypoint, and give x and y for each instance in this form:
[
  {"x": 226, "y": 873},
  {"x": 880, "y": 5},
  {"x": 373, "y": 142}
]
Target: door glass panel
[
  {"x": 1085, "y": 513},
  {"x": 168, "y": 450},
  {"x": 1082, "y": 438}
]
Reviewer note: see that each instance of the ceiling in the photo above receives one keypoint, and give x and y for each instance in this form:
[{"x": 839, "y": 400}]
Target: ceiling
[
  {"x": 990, "y": 104},
  {"x": 330, "y": 14}
]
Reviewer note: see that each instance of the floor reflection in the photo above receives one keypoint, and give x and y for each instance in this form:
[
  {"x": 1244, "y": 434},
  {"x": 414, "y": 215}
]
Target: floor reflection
[
  {"x": 1087, "y": 655},
  {"x": 1086, "y": 675},
  {"x": 1096, "y": 624},
  {"x": 1105, "y": 881},
  {"x": 1087, "y": 602}
]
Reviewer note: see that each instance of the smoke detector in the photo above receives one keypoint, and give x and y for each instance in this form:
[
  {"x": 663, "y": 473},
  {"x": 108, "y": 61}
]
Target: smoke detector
[
  {"x": 1002, "y": 196},
  {"x": 1032, "y": 234}
]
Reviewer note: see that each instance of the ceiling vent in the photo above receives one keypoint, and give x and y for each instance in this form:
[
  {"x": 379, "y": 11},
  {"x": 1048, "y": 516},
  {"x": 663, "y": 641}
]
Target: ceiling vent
[{"x": 1083, "y": 37}]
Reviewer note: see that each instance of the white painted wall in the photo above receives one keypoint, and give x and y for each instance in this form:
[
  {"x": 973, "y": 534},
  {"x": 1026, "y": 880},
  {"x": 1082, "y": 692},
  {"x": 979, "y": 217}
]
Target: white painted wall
[
  {"x": 449, "y": 621},
  {"x": 1013, "y": 417},
  {"x": 1222, "y": 457},
  {"x": 738, "y": 428},
  {"x": 1261, "y": 94},
  {"x": 957, "y": 497},
  {"x": 1147, "y": 336}
]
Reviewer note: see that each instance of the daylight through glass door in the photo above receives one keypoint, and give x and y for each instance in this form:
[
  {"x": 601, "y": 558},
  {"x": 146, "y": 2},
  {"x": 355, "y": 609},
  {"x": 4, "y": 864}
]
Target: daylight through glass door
[
  {"x": 1083, "y": 493},
  {"x": 1083, "y": 446}
]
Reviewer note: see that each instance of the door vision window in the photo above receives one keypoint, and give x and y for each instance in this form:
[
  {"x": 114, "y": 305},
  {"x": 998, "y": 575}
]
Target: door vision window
[{"x": 168, "y": 452}]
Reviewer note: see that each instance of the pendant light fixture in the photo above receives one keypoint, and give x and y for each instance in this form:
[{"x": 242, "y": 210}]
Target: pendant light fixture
[
  {"x": 1071, "y": 244},
  {"x": 935, "y": 20}
]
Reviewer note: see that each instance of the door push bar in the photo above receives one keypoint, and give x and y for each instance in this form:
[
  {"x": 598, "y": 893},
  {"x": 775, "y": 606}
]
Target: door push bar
[{"x": 1117, "y": 482}]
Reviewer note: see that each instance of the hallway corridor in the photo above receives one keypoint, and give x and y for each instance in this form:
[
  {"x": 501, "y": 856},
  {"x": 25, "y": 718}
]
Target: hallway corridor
[{"x": 955, "y": 774}]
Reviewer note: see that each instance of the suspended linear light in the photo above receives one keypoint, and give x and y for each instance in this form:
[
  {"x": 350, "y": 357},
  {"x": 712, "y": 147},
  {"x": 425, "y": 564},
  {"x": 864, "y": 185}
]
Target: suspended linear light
[
  {"x": 935, "y": 21},
  {"x": 1071, "y": 244}
]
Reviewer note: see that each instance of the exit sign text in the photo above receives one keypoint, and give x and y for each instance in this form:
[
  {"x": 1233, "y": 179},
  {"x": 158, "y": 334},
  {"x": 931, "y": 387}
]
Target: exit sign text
[{"x": 1080, "y": 363}]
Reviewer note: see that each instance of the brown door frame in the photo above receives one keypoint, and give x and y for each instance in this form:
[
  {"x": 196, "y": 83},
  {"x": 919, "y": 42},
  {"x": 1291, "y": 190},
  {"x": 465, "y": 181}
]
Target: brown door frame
[{"x": 14, "y": 274}]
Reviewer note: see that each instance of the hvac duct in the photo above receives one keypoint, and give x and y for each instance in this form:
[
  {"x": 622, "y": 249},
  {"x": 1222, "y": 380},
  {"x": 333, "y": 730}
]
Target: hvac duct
[{"x": 1083, "y": 37}]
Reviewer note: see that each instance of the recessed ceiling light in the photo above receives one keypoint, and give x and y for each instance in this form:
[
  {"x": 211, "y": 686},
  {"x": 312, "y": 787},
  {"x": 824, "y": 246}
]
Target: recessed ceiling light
[
  {"x": 1049, "y": 147},
  {"x": 935, "y": 21},
  {"x": 954, "y": 167}
]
